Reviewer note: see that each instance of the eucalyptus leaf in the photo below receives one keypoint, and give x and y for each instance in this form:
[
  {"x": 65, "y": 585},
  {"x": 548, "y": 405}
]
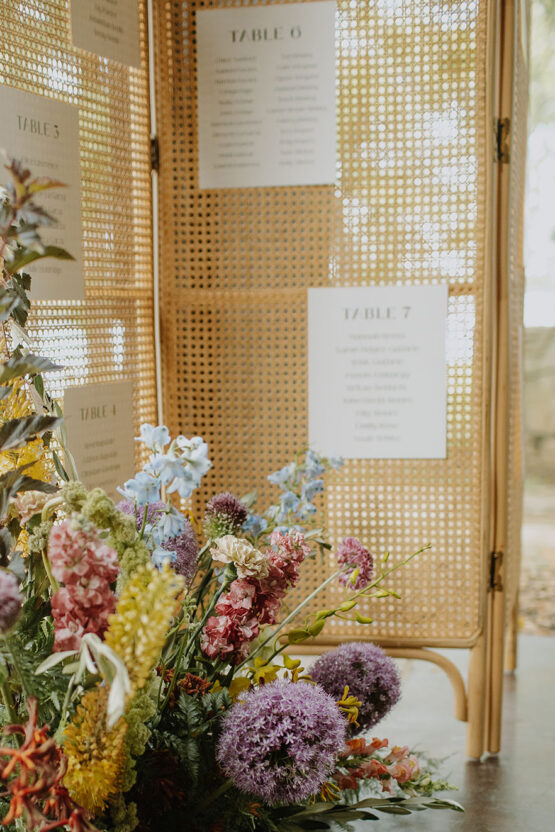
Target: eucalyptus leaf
[
  {"x": 22, "y": 365},
  {"x": 8, "y": 302},
  {"x": 26, "y": 256},
  {"x": 17, "y": 432},
  {"x": 59, "y": 467}
]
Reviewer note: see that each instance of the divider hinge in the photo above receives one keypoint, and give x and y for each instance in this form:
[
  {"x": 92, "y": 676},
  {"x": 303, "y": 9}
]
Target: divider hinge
[
  {"x": 495, "y": 567},
  {"x": 154, "y": 153},
  {"x": 502, "y": 140}
]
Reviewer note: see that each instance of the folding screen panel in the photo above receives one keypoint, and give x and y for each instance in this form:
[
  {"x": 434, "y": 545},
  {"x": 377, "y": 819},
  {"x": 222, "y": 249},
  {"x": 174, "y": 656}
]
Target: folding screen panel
[
  {"x": 107, "y": 336},
  {"x": 409, "y": 208}
]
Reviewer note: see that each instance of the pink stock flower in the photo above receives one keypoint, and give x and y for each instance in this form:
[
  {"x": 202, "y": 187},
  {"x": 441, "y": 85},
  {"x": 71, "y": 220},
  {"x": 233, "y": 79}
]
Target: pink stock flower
[
  {"x": 228, "y": 639},
  {"x": 86, "y": 566},
  {"x": 352, "y": 553},
  {"x": 77, "y": 553},
  {"x": 251, "y": 602},
  {"x": 238, "y": 601}
]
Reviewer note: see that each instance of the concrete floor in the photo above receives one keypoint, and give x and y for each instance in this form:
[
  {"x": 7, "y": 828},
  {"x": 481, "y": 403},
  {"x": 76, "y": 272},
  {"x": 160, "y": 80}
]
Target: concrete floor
[{"x": 511, "y": 792}]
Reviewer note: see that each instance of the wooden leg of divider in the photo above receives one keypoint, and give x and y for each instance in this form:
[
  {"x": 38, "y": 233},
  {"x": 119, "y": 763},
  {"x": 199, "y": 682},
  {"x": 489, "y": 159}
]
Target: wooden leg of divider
[
  {"x": 511, "y": 646},
  {"x": 477, "y": 699}
]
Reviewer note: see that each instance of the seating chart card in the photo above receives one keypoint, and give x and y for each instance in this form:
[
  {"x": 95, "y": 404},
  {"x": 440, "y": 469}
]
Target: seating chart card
[
  {"x": 266, "y": 95},
  {"x": 107, "y": 27},
  {"x": 43, "y": 134},
  {"x": 377, "y": 372},
  {"x": 99, "y": 421}
]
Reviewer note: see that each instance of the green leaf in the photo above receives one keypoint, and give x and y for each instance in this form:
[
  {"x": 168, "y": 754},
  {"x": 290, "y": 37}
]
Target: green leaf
[
  {"x": 14, "y": 482},
  {"x": 316, "y": 628},
  {"x": 8, "y": 302},
  {"x": 17, "y": 432},
  {"x": 22, "y": 365},
  {"x": 62, "y": 473},
  {"x": 297, "y": 635},
  {"x": 27, "y": 256},
  {"x": 39, "y": 385}
]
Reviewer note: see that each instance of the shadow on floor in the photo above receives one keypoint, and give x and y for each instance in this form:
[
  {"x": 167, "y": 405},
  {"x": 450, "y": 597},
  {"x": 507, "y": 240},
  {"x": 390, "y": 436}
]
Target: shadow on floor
[{"x": 511, "y": 792}]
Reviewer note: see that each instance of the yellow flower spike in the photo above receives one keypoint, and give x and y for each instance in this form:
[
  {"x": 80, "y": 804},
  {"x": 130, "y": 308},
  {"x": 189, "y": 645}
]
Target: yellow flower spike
[
  {"x": 96, "y": 757},
  {"x": 139, "y": 626},
  {"x": 215, "y": 687}
]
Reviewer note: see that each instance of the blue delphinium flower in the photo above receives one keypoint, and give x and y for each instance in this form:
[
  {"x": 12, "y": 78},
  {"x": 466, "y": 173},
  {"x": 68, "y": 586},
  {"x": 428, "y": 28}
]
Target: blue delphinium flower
[
  {"x": 155, "y": 438},
  {"x": 285, "y": 475},
  {"x": 160, "y": 555},
  {"x": 170, "y": 524},
  {"x": 178, "y": 467},
  {"x": 255, "y": 524},
  {"x": 143, "y": 488},
  {"x": 280, "y": 741}
]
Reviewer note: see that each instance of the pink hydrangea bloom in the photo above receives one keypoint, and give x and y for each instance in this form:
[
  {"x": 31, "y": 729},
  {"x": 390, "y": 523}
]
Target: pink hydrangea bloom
[
  {"x": 86, "y": 566},
  {"x": 352, "y": 553}
]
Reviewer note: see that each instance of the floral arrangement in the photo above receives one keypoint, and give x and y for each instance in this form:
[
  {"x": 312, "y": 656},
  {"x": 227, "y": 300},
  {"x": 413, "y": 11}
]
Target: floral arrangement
[{"x": 145, "y": 675}]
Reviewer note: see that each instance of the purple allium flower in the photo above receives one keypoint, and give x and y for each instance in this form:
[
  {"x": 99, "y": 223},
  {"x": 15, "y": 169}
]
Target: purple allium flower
[
  {"x": 224, "y": 514},
  {"x": 371, "y": 676},
  {"x": 11, "y": 601},
  {"x": 351, "y": 552},
  {"x": 185, "y": 547},
  {"x": 280, "y": 741}
]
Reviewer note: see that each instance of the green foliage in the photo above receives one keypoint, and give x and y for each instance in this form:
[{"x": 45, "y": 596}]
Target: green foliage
[
  {"x": 17, "y": 432},
  {"x": 25, "y": 365}
]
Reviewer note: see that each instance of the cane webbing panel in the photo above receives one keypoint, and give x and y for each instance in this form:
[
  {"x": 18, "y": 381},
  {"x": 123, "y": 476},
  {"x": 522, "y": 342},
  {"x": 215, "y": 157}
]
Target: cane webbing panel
[
  {"x": 109, "y": 335},
  {"x": 414, "y": 151}
]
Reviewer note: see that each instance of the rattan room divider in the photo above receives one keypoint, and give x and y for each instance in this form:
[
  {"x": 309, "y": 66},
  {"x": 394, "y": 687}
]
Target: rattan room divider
[
  {"x": 419, "y": 200},
  {"x": 425, "y": 194}
]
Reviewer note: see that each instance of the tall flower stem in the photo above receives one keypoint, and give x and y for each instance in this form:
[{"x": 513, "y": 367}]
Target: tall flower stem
[
  {"x": 291, "y": 616},
  {"x": 225, "y": 787},
  {"x": 48, "y": 569},
  {"x": 8, "y": 701},
  {"x": 186, "y": 646}
]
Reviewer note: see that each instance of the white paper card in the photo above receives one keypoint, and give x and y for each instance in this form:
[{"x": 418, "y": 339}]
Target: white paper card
[
  {"x": 99, "y": 421},
  {"x": 266, "y": 95},
  {"x": 44, "y": 135},
  {"x": 107, "y": 27},
  {"x": 377, "y": 372}
]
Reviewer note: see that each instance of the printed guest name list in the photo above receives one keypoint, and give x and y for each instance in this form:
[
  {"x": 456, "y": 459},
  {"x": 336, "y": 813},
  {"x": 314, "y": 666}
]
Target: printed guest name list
[
  {"x": 377, "y": 372},
  {"x": 43, "y": 134},
  {"x": 266, "y": 95}
]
